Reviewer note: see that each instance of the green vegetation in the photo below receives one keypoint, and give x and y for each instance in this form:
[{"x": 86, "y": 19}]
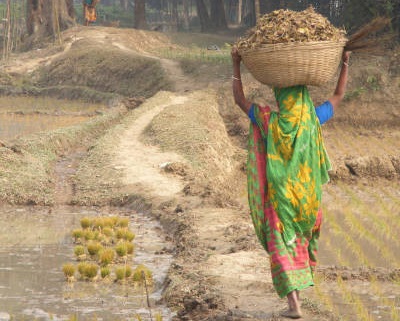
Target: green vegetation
[
  {"x": 121, "y": 249},
  {"x": 123, "y": 272},
  {"x": 79, "y": 250},
  {"x": 69, "y": 270},
  {"x": 142, "y": 274},
  {"x": 115, "y": 246},
  {"x": 106, "y": 256},
  {"x": 94, "y": 248},
  {"x": 105, "y": 271}
]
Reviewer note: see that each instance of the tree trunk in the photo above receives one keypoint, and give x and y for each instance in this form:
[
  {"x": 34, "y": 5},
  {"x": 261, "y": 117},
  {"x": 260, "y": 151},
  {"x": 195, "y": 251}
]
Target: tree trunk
[
  {"x": 239, "y": 13},
  {"x": 249, "y": 17},
  {"x": 204, "y": 18},
  {"x": 140, "y": 14},
  {"x": 257, "y": 9},
  {"x": 124, "y": 4},
  {"x": 49, "y": 17},
  {"x": 185, "y": 14},
  {"x": 174, "y": 15},
  {"x": 218, "y": 16}
]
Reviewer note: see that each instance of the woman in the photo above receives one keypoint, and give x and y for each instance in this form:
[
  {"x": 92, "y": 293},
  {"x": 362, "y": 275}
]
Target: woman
[
  {"x": 89, "y": 11},
  {"x": 287, "y": 165}
]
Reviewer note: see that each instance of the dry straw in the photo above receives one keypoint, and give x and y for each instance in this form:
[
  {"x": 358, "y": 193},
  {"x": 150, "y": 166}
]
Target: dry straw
[{"x": 288, "y": 48}]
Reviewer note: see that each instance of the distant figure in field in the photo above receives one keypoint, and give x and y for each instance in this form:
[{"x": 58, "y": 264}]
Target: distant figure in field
[{"x": 89, "y": 11}]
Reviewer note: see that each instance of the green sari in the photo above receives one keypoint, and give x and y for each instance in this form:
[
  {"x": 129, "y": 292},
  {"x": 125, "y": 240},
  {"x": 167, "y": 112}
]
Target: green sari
[{"x": 287, "y": 165}]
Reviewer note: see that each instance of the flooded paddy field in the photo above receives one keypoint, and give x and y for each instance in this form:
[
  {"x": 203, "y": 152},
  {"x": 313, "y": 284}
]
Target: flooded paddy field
[
  {"x": 22, "y": 116},
  {"x": 35, "y": 242}
]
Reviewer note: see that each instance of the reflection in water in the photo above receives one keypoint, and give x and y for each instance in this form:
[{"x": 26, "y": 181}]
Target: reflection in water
[{"x": 34, "y": 244}]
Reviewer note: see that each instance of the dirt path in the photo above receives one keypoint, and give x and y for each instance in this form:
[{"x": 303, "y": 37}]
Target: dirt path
[
  {"x": 142, "y": 163},
  {"x": 234, "y": 265}
]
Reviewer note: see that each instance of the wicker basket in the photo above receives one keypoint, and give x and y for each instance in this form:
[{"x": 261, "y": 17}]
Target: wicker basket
[{"x": 289, "y": 64}]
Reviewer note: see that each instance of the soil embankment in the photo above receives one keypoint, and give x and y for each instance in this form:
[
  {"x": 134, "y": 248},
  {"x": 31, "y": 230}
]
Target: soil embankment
[{"x": 180, "y": 156}]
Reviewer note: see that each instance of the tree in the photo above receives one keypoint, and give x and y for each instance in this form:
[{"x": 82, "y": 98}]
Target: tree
[
  {"x": 124, "y": 4},
  {"x": 140, "y": 15},
  {"x": 49, "y": 17},
  {"x": 257, "y": 9},
  {"x": 218, "y": 17},
  {"x": 185, "y": 14},
  {"x": 202, "y": 13},
  {"x": 174, "y": 15}
]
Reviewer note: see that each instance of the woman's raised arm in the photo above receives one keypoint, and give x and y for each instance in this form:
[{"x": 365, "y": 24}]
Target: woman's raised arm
[
  {"x": 340, "y": 90},
  {"x": 237, "y": 86}
]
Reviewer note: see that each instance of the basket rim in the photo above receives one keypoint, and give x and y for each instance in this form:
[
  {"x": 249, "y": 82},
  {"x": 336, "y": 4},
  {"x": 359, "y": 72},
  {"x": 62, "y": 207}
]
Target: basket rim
[{"x": 295, "y": 46}]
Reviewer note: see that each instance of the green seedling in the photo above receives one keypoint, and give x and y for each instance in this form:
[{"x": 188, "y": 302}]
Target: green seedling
[
  {"x": 85, "y": 222},
  {"x": 124, "y": 233},
  {"x": 123, "y": 222},
  {"x": 142, "y": 274},
  {"x": 90, "y": 270},
  {"x": 106, "y": 256},
  {"x": 108, "y": 231},
  {"x": 79, "y": 250},
  {"x": 77, "y": 234},
  {"x": 123, "y": 272},
  {"x": 130, "y": 247},
  {"x": 69, "y": 270},
  {"x": 121, "y": 249},
  {"x": 82, "y": 268},
  {"x": 94, "y": 248},
  {"x": 105, "y": 271},
  {"x": 89, "y": 235}
]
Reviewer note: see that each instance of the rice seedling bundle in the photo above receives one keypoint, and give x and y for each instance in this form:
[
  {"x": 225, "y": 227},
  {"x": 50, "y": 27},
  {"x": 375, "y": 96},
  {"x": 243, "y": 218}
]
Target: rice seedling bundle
[
  {"x": 106, "y": 256},
  {"x": 94, "y": 247},
  {"x": 79, "y": 250},
  {"x": 123, "y": 272},
  {"x": 105, "y": 271},
  {"x": 121, "y": 249},
  {"x": 69, "y": 270},
  {"x": 142, "y": 274}
]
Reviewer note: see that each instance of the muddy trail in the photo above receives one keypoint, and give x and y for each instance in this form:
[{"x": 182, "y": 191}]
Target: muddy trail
[{"x": 173, "y": 162}]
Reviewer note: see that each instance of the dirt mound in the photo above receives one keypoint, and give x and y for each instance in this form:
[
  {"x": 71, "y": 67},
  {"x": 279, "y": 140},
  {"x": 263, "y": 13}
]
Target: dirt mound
[
  {"x": 105, "y": 69},
  {"x": 197, "y": 132}
]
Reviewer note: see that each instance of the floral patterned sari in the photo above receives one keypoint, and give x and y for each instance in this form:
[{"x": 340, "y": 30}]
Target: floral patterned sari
[{"x": 287, "y": 165}]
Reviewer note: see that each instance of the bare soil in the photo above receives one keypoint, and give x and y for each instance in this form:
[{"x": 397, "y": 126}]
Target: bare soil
[{"x": 180, "y": 155}]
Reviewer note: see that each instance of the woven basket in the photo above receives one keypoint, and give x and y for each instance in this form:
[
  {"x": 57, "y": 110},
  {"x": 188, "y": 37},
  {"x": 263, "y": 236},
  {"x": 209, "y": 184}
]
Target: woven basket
[{"x": 289, "y": 64}]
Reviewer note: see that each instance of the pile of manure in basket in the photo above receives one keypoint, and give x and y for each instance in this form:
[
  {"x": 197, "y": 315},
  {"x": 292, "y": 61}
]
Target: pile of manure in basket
[{"x": 283, "y": 26}]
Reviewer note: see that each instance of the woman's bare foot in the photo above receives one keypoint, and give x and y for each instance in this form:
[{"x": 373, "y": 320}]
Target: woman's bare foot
[
  {"x": 291, "y": 314},
  {"x": 294, "y": 311}
]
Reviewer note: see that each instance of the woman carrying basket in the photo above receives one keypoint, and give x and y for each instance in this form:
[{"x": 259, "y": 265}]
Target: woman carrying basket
[{"x": 287, "y": 165}]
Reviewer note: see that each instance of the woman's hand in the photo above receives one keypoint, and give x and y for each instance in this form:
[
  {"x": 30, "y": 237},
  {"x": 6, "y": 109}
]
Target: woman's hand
[
  {"x": 346, "y": 56},
  {"x": 236, "y": 58},
  {"x": 340, "y": 90},
  {"x": 237, "y": 87}
]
